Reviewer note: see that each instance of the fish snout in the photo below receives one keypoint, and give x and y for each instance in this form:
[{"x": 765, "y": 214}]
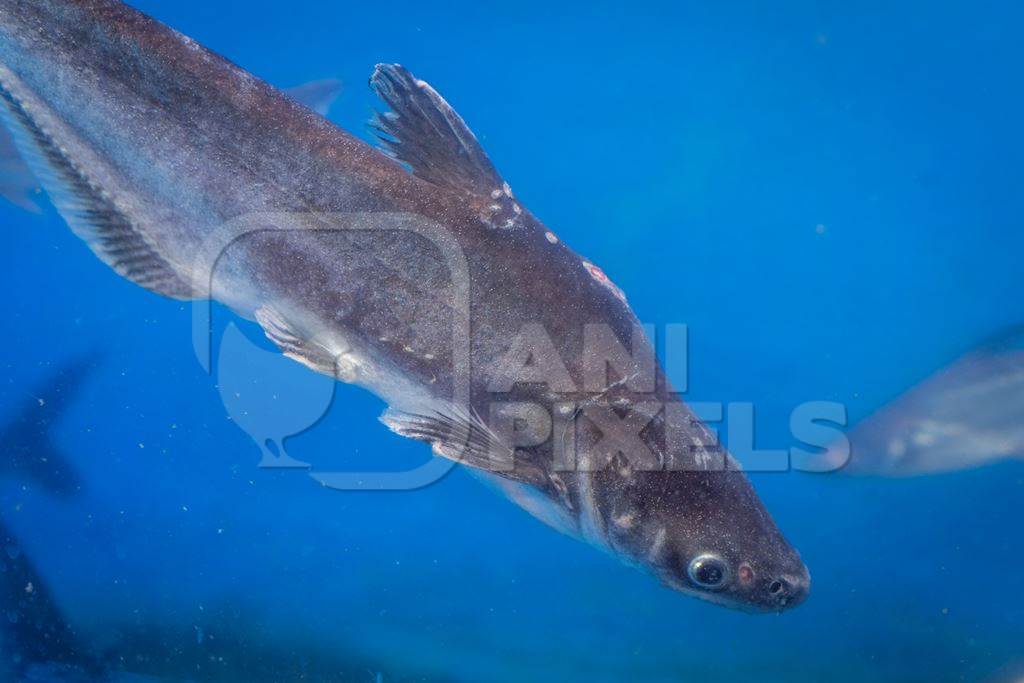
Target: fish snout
[{"x": 789, "y": 590}]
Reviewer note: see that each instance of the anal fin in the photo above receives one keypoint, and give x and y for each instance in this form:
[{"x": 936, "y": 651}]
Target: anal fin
[{"x": 91, "y": 212}]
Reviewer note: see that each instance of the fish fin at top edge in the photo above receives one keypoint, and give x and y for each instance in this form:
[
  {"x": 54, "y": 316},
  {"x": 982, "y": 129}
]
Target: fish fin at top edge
[
  {"x": 425, "y": 133},
  {"x": 89, "y": 212},
  {"x": 316, "y": 95}
]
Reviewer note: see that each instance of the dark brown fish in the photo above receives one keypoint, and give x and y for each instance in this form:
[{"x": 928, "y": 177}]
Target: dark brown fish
[{"x": 416, "y": 274}]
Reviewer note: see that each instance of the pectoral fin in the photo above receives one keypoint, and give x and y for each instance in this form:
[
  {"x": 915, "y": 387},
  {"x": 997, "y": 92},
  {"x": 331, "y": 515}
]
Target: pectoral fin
[
  {"x": 457, "y": 435},
  {"x": 296, "y": 343}
]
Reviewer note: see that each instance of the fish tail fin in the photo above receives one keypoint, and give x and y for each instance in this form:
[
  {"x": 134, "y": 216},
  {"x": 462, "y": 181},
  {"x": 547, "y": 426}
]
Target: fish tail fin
[
  {"x": 32, "y": 454},
  {"x": 34, "y": 629}
]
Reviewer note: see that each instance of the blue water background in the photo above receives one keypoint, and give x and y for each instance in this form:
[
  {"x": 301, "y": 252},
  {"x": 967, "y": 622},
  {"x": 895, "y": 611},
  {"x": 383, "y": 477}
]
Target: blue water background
[{"x": 827, "y": 193}]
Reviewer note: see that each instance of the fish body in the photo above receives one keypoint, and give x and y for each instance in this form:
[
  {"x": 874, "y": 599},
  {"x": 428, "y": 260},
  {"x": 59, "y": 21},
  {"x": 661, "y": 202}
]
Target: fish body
[
  {"x": 411, "y": 270},
  {"x": 19, "y": 185}
]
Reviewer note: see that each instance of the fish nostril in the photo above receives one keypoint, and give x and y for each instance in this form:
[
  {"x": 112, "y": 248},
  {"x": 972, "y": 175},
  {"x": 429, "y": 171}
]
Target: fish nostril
[{"x": 787, "y": 591}]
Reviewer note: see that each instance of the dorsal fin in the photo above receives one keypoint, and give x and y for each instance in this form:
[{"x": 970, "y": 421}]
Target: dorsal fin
[{"x": 424, "y": 132}]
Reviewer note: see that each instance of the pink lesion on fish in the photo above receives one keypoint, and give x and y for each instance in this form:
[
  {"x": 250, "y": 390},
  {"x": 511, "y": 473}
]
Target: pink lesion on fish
[{"x": 600, "y": 276}]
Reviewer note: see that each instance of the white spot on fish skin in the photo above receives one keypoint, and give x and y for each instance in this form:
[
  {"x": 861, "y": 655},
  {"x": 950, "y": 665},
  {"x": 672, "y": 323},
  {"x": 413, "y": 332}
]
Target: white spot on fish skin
[
  {"x": 186, "y": 41},
  {"x": 551, "y": 237},
  {"x": 659, "y": 543},
  {"x": 496, "y": 193},
  {"x": 516, "y": 209},
  {"x": 428, "y": 356},
  {"x": 625, "y": 521},
  {"x": 507, "y": 190},
  {"x": 510, "y": 223},
  {"x": 347, "y": 367},
  {"x": 495, "y": 208}
]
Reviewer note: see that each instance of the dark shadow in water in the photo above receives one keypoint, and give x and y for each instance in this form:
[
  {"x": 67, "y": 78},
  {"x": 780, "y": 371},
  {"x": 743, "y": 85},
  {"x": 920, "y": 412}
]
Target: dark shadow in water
[
  {"x": 27, "y": 440},
  {"x": 32, "y": 629}
]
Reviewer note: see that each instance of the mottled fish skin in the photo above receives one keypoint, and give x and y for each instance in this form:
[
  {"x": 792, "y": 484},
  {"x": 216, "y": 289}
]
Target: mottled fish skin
[
  {"x": 967, "y": 414},
  {"x": 358, "y": 263}
]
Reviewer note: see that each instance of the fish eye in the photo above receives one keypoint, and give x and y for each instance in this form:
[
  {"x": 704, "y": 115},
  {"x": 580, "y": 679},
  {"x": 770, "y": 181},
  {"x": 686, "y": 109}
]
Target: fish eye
[{"x": 708, "y": 571}]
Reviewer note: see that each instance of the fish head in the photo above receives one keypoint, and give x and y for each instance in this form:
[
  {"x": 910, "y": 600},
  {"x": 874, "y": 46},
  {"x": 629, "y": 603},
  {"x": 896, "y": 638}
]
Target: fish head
[{"x": 706, "y": 534}]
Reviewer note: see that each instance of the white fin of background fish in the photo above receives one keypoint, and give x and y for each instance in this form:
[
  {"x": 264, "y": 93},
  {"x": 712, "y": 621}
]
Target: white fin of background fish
[
  {"x": 19, "y": 186},
  {"x": 967, "y": 414}
]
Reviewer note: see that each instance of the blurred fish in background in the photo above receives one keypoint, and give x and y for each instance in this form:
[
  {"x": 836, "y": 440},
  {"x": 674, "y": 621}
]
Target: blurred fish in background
[
  {"x": 31, "y": 454},
  {"x": 38, "y": 646},
  {"x": 968, "y": 414},
  {"x": 35, "y": 641},
  {"x": 228, "y": 642}
]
